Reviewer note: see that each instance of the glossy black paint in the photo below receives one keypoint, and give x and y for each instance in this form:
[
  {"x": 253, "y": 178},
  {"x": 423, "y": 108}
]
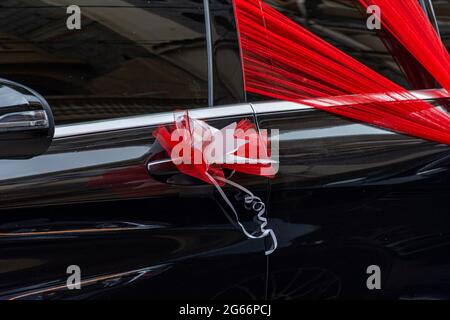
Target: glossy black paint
[
  {"x": 90, "y": 202},
  {"x": 348, "y": 196}
]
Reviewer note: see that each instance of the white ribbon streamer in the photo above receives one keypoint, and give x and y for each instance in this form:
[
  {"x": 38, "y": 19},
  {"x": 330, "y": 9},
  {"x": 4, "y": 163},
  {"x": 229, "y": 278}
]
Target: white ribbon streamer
[{"x": 255, "y": 204}]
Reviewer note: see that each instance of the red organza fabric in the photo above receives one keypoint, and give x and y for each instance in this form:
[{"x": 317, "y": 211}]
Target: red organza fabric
[
  {"x": 203, "y": 152},
  {"x": 283, "y": 60},
  {"x": 408, "y": 23},
  {"x": 417, "y": 76}
]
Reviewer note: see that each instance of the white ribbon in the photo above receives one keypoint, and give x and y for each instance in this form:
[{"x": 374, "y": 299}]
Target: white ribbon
[
  {"x": 255, "y": 204},
  {"x": 221, "y": 148}
]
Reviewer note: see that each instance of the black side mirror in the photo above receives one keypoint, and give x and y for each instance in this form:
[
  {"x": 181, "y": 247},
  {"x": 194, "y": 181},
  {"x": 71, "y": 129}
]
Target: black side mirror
[{"x": 26, "y": 122}]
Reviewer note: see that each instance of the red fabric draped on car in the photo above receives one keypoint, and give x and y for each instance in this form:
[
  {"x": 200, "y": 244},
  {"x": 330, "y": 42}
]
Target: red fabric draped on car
[
  {"x": 283, "y": 60},
  {"x": 408, "y": 23}
]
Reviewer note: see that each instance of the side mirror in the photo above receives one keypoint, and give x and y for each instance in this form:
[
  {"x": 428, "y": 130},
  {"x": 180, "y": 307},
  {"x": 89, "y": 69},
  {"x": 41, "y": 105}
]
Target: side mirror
[{"x": 26, "y": 122}]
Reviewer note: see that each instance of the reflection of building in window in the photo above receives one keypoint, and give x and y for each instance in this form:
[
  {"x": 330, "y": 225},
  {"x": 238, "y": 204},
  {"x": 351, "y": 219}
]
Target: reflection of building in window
[
  {"x": 125, "y": 60},
  {"x": 442, "y": 10}
]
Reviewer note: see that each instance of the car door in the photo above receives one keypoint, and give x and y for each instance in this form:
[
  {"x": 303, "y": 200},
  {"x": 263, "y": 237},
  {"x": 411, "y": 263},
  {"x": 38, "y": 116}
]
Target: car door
[
  {"x": 88, "y": 211},
  {"x": 350, "y": 196},
  {"x": 360, "y": 211}
]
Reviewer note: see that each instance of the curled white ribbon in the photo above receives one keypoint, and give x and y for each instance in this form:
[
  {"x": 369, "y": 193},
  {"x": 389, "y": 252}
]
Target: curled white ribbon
[{"x": 255, "y": 204}]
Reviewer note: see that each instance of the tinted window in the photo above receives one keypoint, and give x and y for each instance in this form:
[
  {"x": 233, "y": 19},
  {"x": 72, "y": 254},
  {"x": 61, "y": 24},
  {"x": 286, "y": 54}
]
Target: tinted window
[
  {"x": 228, "y": 78},
  {"x": 130, "y": 57},
  {"x": 442, "y": 10},
  {"x": 343, "y": 24}
]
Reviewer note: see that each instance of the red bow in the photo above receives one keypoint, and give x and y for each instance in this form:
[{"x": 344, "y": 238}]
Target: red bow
[{"x": 202, "y": 151}]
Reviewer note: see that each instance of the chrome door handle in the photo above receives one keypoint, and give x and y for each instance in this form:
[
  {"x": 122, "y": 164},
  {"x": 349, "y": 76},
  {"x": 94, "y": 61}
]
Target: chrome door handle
[
  {"x": 164, "y": 167},
  {"x": 165, "y": 171}
]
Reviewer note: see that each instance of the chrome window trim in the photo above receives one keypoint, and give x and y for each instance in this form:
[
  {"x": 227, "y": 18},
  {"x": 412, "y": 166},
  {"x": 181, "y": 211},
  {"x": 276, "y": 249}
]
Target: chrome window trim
[
  {"x": 209, "y": 52},
  {"x": 65, "y": 131},
  {"x": 71, "y": 130}
]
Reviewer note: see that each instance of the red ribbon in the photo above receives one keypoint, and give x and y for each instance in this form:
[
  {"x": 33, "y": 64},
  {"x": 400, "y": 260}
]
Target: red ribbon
[
  {"x": 203, "y": 152},
  {"x": 407, "y": 22},
  {"x": 187, "y": 140},
  {"x": 283, "y": 60}
]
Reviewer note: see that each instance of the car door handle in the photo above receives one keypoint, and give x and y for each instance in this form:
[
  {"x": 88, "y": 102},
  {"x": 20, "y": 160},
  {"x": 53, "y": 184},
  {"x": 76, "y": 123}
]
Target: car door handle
[
  {"x": 163, "y": 167},
  {"x": 165, "y": 171}
]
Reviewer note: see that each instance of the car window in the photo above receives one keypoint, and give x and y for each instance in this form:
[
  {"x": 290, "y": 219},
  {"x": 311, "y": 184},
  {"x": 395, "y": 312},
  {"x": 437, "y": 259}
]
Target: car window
[
  {"x": 228, "y": 77},
  {"x": 442, "y": 11},
  {"x": 102, "y": 59},
  {"x": 343, "y": 23}
]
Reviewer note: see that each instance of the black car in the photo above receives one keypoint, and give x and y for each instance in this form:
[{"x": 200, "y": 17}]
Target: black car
[{"x": 85, "y": 190}]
